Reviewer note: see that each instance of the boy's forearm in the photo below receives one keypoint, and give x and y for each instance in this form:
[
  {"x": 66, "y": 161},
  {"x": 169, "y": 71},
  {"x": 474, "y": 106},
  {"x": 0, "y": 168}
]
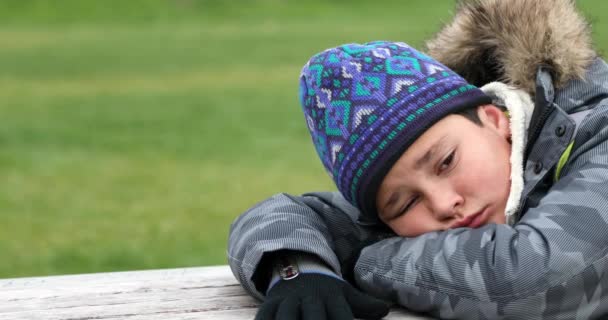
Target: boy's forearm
[
  {"x": 319, "y": 224},
  {"x": 278, "y": 223},
  {"x": 543, "y": 267}
]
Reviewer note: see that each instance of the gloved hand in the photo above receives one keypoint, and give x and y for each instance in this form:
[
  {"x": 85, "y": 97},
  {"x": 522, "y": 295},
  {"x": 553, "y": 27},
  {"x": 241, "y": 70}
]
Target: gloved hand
[{"x": 312, "y": 296}]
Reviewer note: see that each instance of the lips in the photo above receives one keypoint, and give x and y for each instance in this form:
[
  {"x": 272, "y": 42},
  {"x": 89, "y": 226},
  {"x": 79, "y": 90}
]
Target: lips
[{"x": 473, "y": 221}]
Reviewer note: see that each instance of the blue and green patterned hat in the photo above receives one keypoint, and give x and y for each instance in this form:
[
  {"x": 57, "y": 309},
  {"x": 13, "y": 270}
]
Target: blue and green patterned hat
[{"x": 365, "y": 104}]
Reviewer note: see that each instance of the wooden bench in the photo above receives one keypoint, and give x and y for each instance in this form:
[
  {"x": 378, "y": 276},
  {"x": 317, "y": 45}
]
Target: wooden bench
[{"x": 189, "y": 293}]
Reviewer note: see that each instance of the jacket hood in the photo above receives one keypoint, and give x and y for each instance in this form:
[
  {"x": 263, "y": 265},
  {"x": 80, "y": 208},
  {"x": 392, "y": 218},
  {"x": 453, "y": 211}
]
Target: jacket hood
[{"x": 507, "y": 41}]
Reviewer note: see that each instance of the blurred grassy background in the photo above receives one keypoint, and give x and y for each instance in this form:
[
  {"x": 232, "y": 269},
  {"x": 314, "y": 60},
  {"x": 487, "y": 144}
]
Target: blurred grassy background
[{"x": 133, "y": 132}]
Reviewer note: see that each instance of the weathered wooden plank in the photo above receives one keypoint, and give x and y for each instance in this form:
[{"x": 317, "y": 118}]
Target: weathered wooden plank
[{"x": 183, "y": 294}]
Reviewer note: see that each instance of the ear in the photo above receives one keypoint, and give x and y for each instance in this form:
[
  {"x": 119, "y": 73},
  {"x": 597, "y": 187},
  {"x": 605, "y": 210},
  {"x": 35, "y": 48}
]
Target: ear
[{"x": 495, "y": 118}]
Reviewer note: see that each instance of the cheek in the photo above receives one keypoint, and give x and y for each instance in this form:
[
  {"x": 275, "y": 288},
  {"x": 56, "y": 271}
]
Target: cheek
[
  {"x": 485, "y": 172},
  {"x": 491, "y": 176},
  {"x": 414, "y": 224}
]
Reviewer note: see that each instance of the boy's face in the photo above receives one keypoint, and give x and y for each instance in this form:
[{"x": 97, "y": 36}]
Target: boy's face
[{"x": 456, "y": 174}]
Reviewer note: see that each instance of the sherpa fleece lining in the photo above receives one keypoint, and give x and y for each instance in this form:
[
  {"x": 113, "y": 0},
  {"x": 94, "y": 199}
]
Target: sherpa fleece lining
[{"x": 520, "y": 107}]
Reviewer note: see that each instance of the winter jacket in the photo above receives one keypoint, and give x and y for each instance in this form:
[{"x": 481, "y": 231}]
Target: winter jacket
[{"x": 553, "y": 262}]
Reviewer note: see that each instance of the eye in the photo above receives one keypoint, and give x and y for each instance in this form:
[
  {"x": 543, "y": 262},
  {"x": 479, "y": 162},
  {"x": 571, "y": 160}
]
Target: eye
[
  {"x": 447, "y": 162},
  {"x": 407, "y": 207}
]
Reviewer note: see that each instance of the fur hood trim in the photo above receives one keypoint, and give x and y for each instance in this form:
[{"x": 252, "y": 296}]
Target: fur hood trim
[{"x": 507, "y": 40}]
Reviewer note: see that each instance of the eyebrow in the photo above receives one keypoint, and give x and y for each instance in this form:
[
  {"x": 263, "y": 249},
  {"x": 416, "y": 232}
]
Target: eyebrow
[{"x": 430, "y": 153}]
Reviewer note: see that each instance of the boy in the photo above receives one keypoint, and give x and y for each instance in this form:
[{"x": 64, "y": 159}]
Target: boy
[{"x": 410, "y": 157}]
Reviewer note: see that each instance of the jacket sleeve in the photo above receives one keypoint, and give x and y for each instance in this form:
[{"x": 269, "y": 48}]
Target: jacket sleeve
[
  {"x": 321, "y": 224},
  {"x": 551, "y": 264}
]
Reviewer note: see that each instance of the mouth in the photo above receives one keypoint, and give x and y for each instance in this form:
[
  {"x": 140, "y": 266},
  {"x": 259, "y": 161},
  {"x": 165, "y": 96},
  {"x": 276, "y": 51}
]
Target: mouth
[{"x": 474, "y": 220}]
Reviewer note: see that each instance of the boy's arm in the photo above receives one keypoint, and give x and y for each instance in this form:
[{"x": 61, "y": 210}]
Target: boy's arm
[
  {"x": 320, "y": 224},
  {"x": 552, "y": 264}
]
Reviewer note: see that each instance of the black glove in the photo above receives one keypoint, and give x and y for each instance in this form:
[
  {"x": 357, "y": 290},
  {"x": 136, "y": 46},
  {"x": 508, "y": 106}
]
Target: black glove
[{"x": 319, "y": 297}]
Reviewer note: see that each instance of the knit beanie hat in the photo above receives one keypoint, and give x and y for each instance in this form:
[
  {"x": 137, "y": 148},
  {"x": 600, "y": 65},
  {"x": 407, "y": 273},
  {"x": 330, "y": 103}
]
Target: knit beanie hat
[{"x": 365, "y": 104}]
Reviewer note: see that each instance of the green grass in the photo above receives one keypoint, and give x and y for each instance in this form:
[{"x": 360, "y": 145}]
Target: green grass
[{"x": 134, "y": 132}]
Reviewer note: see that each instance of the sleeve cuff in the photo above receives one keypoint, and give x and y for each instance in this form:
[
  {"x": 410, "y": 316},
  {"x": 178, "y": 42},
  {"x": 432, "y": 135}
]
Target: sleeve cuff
[{"x": 289, "y": 266}]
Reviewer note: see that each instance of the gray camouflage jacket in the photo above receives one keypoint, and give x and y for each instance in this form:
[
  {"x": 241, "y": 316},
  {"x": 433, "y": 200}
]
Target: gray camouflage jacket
[{"x": 553, "y": 263}]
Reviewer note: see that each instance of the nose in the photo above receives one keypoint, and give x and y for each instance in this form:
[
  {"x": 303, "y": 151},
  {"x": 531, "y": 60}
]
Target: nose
[{"x": 445, "y": 203}]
